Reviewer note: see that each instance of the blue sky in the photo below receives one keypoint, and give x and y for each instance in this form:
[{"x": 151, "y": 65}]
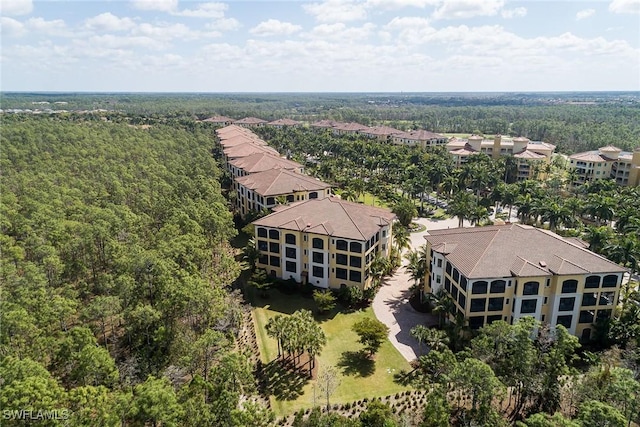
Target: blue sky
[{"x": 320, "y": 45}]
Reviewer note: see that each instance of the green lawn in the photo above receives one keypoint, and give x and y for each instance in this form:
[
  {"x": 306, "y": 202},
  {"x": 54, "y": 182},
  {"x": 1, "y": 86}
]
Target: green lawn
[
  {"x": 359, "y": 377},
  {"x": 369, "y": 199}
]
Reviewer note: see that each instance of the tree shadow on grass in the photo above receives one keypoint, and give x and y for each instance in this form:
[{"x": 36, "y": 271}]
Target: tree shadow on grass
[
  {"x": 356, "y": 363},
  {"x": 281, "y": 381}
]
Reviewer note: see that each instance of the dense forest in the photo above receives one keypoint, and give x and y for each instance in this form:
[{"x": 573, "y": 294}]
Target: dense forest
[
  {"x": 575, "y": 122},
  {"x": 116, "y": 274}
]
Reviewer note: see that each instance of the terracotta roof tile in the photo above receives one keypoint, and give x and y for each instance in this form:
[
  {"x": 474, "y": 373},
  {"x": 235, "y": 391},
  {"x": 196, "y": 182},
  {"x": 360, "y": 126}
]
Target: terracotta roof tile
[{"x": 275, "y": 182}]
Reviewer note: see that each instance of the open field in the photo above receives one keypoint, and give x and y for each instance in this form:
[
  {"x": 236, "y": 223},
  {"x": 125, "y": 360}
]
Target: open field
[{"x": 359, "y": 376}]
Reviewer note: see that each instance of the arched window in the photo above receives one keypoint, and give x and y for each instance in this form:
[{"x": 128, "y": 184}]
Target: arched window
[
  {"x": 262, "y": 232},
  {"x": 498, "y": 286},
  {"x": 355, "y": 247},
  {"x": 313, "y": 195},
  {"x": 274, "y": 234},
  {"x": 342, "y": 245},
  {"x": 592, "y": 282},
  {"x": 531, "y": 288},
  {"x": 318, "y": 243},
  {"x": 610, "y": 281},
  {"x": 479, "y": 287},
  {"x": 569, "y": 286},
  {"x": 290, "y": 238}
]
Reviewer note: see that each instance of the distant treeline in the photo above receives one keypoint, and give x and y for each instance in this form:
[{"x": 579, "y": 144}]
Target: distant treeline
[{"x": 574, "y": 121}]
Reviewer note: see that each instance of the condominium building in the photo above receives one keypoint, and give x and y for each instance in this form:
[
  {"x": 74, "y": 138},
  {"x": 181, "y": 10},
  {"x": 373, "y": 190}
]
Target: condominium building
[
  {"x": 606, "y": 162},
  {"x": 260, "y": 162},
  {"x": 512, "y": 271},
  {"x": 528, "y": 154},
  {"x": 265, "y": 190},
  {"x": 220, "y": 120},
  {"x": 422, "y": 138},
  {"x": 381, "y": 133},
  {"x": 251, "y": 122},
  {"x": 329, "y": 242}
]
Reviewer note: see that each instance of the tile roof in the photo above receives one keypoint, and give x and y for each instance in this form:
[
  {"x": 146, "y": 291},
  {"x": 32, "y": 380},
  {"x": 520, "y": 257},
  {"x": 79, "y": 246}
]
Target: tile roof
[
  {"x": 420, "y": 135},
  {"x": 324, "y": 124},
  {"x": 329, "y": 216},
  {"x": 261, "y": 161},
  {"x": 526, "y": 154},
  {"x": 232, "y": 130},
  {"x": 219, "y": 119},
  {"x": 275, "y": 182},
  {"x": 382, "y": 130},
  {"x": 350, "y": 127},
  {"x": 590, "y": 156},
  {"x": 241, "y": 139},
  {"x": 284, "y": 122},
  {"x": 517, "y": 250},
  {"x": 246, "y": 149},
  {"x": 250, "y": 121}
]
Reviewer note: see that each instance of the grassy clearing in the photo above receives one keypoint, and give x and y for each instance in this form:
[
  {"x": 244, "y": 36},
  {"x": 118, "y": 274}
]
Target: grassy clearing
[
  {"x": 359, "y": 376},
  {"x": 370, "y": 199}
]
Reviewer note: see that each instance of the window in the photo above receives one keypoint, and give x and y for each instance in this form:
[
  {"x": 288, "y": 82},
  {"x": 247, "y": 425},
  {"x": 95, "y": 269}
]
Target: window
[
  {"x": 531, "y": 288},
  {"x": 290, "y": 252},
  {"x": 589, "y": 299},
  {"x": 341, "y": 259},
  {"x": 456, "y": 275},
  {"x": 565, "y": 321},
  {"x": 313, "y": 195},
  {"x": 610, "y": 281},
  {"x": 263, "y": 259},
  {"x": 454, "y": 292},
  {"x": 585, "y": 317},
  {"x": 274, "y": 247},
  {"x": 606, "y": 298},
  {"x": 274, "y": 261},
  {"x": 477, "y": 304},
  {"x": 603, "y": 315},
  {"x": 495, "y": 304},
  {"x": 274, "y": 234},
  {"x": 262, "y": 232},
  {"x": 448, "y": 268},
  {"x": 318, "y": 271},
  {"x": 463, "y": 282},
  {"x": 262, "y": 245},
  {"x": 355, "y": 261},
  {"x": 355, "y": 247},
  {"x": 271, "y": 201},
  {"x": 569, "y": 286},
  {"x": 317, "y": 257},
  {"x": 439, "y": 279},
  {"x": 462, "y": 300},
  {"x": 479, "y": 287},
  {"x": 447, "y": 283},
  {"x": 566, "y": 304},
  {"x": 491, "y": 319},
  {"x": 318, "y": 243},
  {"x": 341, "y": 273},
  {"x": 528, "y": 306},
  {"x": 498, "y": 286},
  {"x": 290, "y": 266},
  {"x": 592, "y": 282},
  {"x": 476, "y": 322},
  {"x": 440, "y": 263},
  {"x": 290, "y": 238},
  {"x": 355, "y": 276},
  {"x": 290, "y": 198},
  {"x": 342, "y": 245}
]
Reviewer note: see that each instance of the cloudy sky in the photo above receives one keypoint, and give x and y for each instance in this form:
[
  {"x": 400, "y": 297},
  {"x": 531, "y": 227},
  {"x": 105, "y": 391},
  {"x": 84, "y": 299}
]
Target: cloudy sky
[{"x": 320, "y": 45}]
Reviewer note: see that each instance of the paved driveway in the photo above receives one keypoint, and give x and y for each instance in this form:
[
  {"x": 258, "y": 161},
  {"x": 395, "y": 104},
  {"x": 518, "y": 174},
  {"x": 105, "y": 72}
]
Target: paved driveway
[{"x": 391, "y": 304}]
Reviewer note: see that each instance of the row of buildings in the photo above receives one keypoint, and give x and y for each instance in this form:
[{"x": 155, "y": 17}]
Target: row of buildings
[
  {"x": 491, "y": 273},
  {"x": 310, "y": 235},
  {"x": 606, "y": 162}
]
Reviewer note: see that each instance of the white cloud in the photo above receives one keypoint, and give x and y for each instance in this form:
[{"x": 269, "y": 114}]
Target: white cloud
[
  {"x": 160, "y": 5},
  {"x": 15, "y": 7},
  {"x": 518, "y": 12},
  {"x": 340, "y": 32},
  {"x": 399, "y": 4},
  {"x": 56, "y": 27},
  {"x": 464, "y": 9},
  {"x": 204, "y": 10},
  {"x": 586, "y": 13},
  {"x": 224, "y": 24},
  {"x": 164, "y": 31},
  {"x": 336, "y": 11},
  {"x": 273, "y": 27},
  {"x": 11, "y": 28},
  {"x": 111, "y": 42},
  {"x": 109, "y": 22},
  {"x": 625, "y": 6}
]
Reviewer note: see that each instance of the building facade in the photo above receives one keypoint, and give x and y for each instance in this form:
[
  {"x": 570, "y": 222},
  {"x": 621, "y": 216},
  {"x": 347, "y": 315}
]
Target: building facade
[
  {"x": 329, "y": 243},
  {"x": 512, "y": 271},
  {"x": 530, "y": 156},
  {"x": 606, "y": 162},
  {"x": 421, "y": 138}
]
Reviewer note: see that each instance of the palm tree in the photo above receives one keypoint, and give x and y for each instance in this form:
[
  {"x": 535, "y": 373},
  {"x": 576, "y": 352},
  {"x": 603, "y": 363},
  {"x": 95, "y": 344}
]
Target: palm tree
[
  {"x": 600, "y": 207},
  {"x": 443, "y": 306},
  {"x": 478, "y": 214},
  {"x": 275, "y": 329},
  {"x": 461, "y": 206},
  {"x": 349, "y": 194},
  {"x": 436, "y": 339},
  {"x": 401, "y": 238},
  {"x": 625, "y": 250},
  {"x": 251, "y": 254},
  {"x": 415, "y": 267},
  {"x": 598, "y": 237},
  {"x": 419, "y": 332},
  {"x": 555, "y": 213}
]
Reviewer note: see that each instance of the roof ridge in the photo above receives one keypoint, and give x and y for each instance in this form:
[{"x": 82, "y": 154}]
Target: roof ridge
[
  {"x": 339, "y": 201},
  {"x": 486, "y": 248}
]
